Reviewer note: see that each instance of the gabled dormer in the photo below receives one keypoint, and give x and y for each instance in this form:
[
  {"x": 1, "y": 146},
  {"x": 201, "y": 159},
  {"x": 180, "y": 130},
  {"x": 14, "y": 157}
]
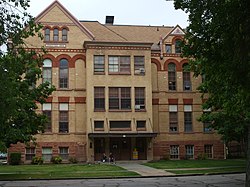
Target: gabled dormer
[
  {"x": 172, "y": 40},
  {"x": 61, "y": 29}
]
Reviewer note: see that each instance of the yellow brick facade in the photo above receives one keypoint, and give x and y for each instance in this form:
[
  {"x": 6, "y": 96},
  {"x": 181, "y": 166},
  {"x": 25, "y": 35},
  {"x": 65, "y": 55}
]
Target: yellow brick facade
[{"x": 83, "y": 140}]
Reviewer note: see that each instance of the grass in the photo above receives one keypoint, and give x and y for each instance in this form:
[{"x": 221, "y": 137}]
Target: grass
[
  {"x": 8, "y": 172},
  {"x": 200, "y": 166}
]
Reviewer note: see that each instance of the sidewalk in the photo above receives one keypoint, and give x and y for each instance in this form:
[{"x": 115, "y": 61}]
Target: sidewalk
[{"x": 143, "y": 170}]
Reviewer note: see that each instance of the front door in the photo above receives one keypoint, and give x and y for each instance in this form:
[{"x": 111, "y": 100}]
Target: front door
[
  {"x": 121, "y": 148},
  {"x": 141, "y": 145},
  {"x": 99, "y": 147}
]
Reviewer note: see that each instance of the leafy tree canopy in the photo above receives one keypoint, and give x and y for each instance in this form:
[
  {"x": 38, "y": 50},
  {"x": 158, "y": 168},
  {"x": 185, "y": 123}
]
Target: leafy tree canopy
[{"x": 19, "y": 73}]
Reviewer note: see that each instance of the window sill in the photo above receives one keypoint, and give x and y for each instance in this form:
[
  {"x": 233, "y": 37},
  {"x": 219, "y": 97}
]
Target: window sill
[
  {"x": 174, "y": 132},
  {"x": 120, "y": 129},
  {"x": 99, "y": 129},
  {"x": 99, "y": 110},
  {"x": 142, "y": 110},
  {"x": 55, "y": 42},
  {"x": 99, "y": 73},
  {"x": 141, "y": 129},
  {"x": 117, "y": 110},
  {"x": 119, "y": 73}
]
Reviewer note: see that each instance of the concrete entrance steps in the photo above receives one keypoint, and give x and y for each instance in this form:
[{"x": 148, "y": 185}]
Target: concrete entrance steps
[{"x": 136, "y": 166}]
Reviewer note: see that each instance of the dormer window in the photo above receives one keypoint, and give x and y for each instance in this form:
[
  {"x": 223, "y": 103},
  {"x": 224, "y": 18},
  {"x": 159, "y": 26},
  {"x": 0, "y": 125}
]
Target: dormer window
[
  {"x": 178, "y": 46},
  {"x": 56, "y": 35}
]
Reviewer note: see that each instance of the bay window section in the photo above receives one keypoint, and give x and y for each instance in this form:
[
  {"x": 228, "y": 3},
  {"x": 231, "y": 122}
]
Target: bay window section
[
  {"x": 139, "y": 98},
  {"x": 119, "y": 64},
  {"x": 99, "y": 98},
  {"x": 139, "y": 65},
  {"x": 119, "y": 98},
  {"x": 99, "y": 65}
]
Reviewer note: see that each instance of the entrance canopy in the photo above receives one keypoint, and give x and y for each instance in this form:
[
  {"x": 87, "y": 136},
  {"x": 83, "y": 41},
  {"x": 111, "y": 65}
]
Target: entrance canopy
[{"x": 122, "y": 135}]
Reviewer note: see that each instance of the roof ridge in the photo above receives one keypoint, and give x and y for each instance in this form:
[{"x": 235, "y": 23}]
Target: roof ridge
[{"x": 114, "y": 32}]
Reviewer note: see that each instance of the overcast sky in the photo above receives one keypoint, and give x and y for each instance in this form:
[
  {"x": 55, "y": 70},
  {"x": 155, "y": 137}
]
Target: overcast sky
[{"x": 126, "y": 12}]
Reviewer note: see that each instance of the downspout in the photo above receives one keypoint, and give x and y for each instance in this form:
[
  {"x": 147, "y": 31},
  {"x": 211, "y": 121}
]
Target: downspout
[{"x": 161, "y": 47}]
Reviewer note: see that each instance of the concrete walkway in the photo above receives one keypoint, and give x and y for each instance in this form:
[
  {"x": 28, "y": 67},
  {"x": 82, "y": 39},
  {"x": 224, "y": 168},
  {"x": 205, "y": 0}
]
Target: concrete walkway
[{"x": 142, "y": 169}]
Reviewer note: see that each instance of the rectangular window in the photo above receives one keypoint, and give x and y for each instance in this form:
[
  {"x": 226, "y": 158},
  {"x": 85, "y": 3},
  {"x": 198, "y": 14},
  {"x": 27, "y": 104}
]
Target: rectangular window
[
  {"x": 173, "y": 118},
  {"x": 139, "y": 98},
  {"x": 30, "y": 153},
  {"x": 117, "y": 125},
  {"x": 119, "y": 99},
  {"x": 119, "y": 64},
  {"x": 188, "y": 125},
  {"x": 64, "y": 35},
  {"x": 189, "y": 151},
  {"x": 63, "y": 118},
  {"x": 141, "y": 125},
  {"x": 64, "y": 153},
  {"x": 99, "y": 125},
  {"x": 139, "y": 65},
  {"x": 47, "y": 153},
  {"x": 47, "y": 35},
  {"x": 207, "y": 124},
  {"x": 168, "y": 48},
  {"x": 174, "y": 151},
  {"x": 208, "y": 150},
  {"x": 99, "y": 98},
  {"x": 99, "y": 65},
  {"x": 47, "y": 112},
  {"x": 56, "y": 35}
]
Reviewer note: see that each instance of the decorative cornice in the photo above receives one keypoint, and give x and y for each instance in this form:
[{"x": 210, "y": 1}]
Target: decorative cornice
[
  {"x": 119, "y": 48},
  {"x": 57, "y": 50}
]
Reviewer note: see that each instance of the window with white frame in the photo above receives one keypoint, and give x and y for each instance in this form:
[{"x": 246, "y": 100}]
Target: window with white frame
[
  {"x": 188, "y": 122},
  {"x": 174, "y": 151},
  {"x": 47, "y": 108},
  {"x": 47, "y": 71},
  {"x": 64, "y": 153},
  {"x": 47, "y": 153},
  {"x": 173, "y": 118},
  {"x": 63, "y": 117},
  {"x": 189, "y": 151},
  {"x": 30, "y": 152},
  {"x": 208, "y": 150}
]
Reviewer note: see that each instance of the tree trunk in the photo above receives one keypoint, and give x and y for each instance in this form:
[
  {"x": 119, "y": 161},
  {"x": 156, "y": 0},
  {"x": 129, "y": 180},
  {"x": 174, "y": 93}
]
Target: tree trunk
[{"x": 248, "y": 159}]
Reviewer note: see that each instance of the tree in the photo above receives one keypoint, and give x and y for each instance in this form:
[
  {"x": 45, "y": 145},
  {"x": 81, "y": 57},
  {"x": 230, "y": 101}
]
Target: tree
[
  {"x": 19, "y": 73},
  {"x": 218, "y": 42}
]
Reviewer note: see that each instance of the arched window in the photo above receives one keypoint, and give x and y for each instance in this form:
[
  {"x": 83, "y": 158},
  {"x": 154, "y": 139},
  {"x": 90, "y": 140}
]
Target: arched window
[
  {"x": 64, "y": 35},
  {"x": 47, "y": 34},
  {"x": 47, "y": 71},
  {"x": 178, "y": 46},
  {"x": 56, "y": 35},
  {"x": 186, "y": 77},
  {"x": 63, "y": 73},
  {"x": 171, "y": 76}
]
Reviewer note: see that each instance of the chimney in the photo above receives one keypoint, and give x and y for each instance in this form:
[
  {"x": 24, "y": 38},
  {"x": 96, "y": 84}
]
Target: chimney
[{"x": 109, "y": 20}]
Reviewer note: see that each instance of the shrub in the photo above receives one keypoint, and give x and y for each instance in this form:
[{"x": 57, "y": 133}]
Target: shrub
[
  {"x": 37, "y": 160},
  {"x": 15, "y": 158},
  {"x": 73, "y": 160},
  {"x": 202, "y": 156},
  {"x": 56, "y": 160}
]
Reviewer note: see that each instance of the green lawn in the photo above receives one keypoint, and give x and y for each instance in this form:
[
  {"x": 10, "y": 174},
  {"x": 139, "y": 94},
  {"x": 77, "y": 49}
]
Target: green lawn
[
  {"x": 200, "y": 166},
  {"x": 52, "y": 171}
]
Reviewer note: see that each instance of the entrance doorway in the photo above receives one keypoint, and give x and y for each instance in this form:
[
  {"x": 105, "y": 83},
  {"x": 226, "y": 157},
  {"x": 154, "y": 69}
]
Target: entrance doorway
[
  {"x": 121, "y": 148},
  {"x": 141, "y": 146}
]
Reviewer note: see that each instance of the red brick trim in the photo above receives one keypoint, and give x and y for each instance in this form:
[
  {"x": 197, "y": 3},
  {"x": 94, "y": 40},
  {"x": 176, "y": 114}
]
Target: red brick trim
[
  {"x": 80, "y": 99},
  {"x": 178, "y": 65},
  {"x": 52, "y": 58},
  {"x": 79, "y": 56},
  {"x": 155, "y": 101},
  {"x": 49, "y": 100},
  {"x": 184, "y": 61},
  {"x": 158, "y": 64},
  {"x": 187, "y": 101},
  {"x": 173, "y": 101},
  {"x": 71, "y": 63},
  {"x": 63, "y": 99},
  {"x": 176, "y": 38}
]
